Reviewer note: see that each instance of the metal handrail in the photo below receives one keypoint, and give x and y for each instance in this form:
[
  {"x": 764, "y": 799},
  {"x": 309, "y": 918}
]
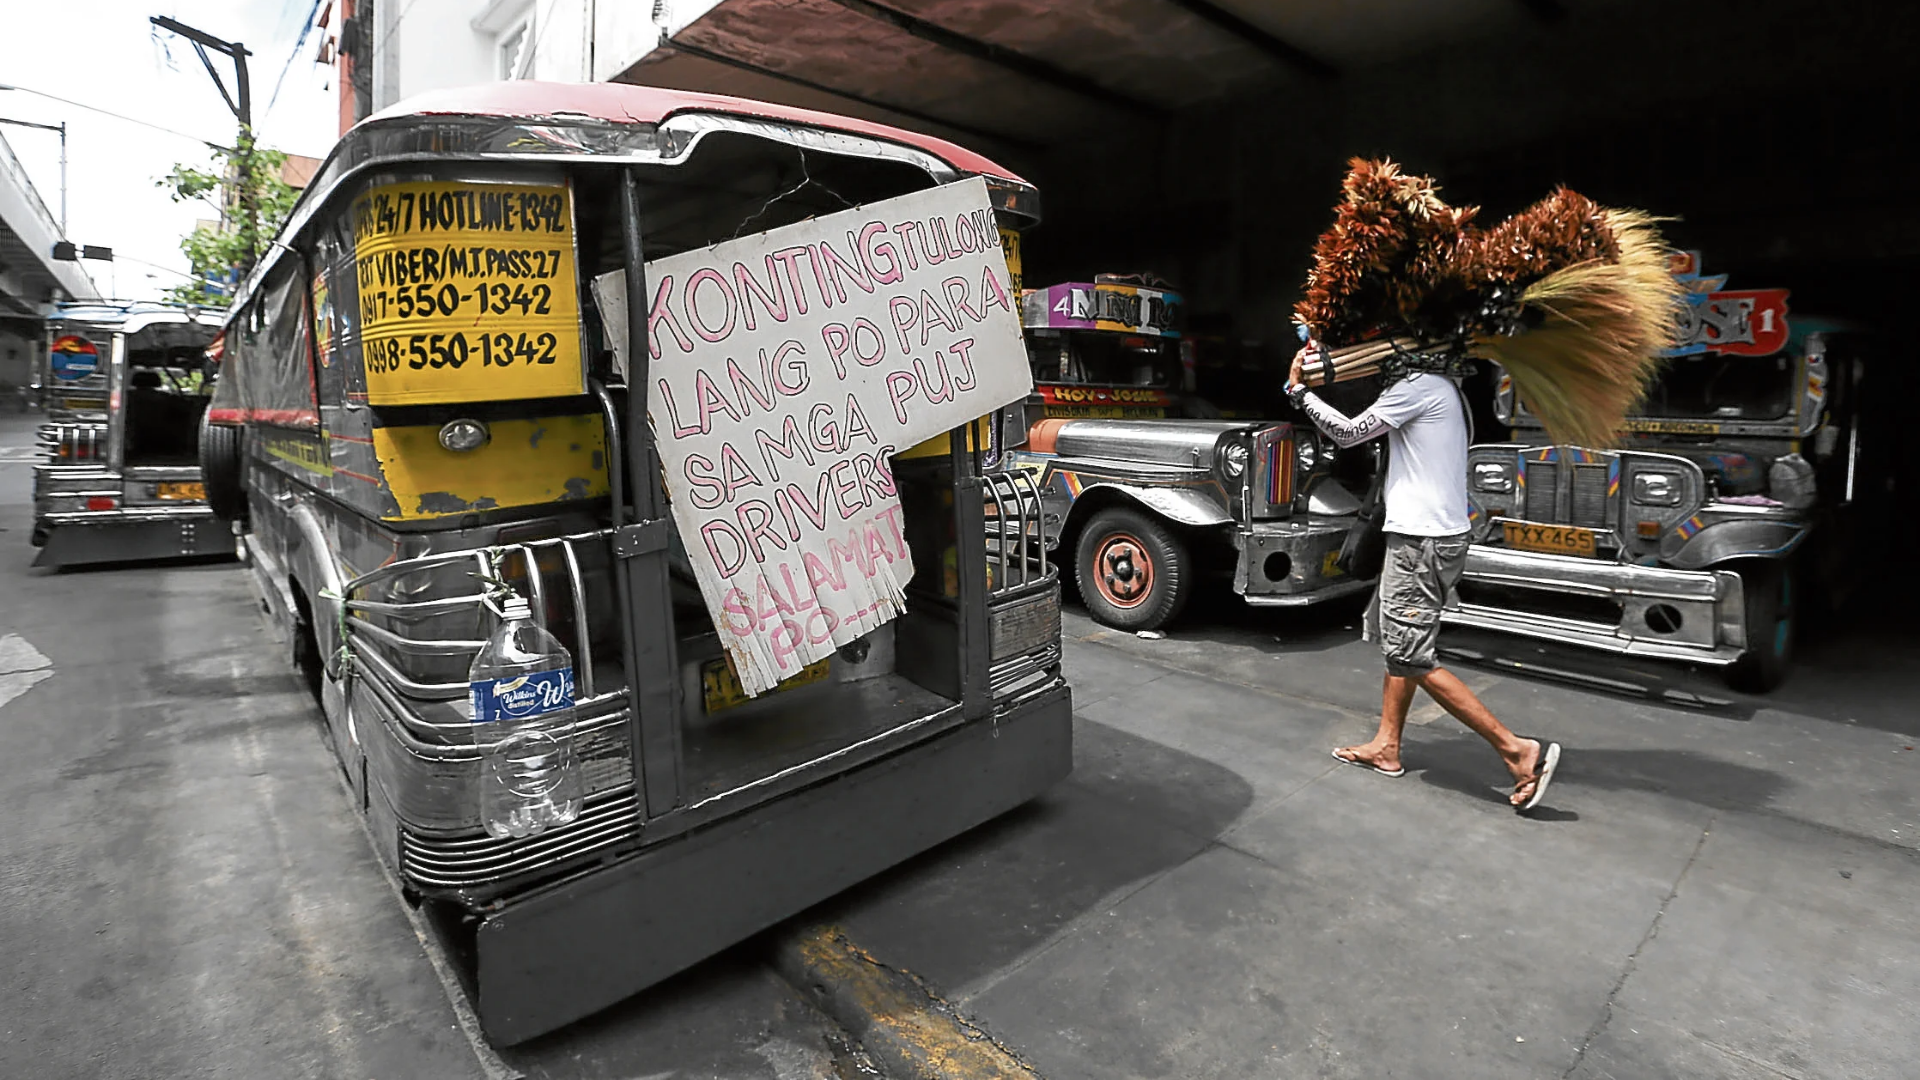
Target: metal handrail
[
  {"x": 1019, "y": 502},
  {"x": 376, "y": 644}
]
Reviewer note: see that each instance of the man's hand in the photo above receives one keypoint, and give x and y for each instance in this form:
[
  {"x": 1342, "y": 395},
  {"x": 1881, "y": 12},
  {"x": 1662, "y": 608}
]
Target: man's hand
[{"x": 1299, "y": 362}]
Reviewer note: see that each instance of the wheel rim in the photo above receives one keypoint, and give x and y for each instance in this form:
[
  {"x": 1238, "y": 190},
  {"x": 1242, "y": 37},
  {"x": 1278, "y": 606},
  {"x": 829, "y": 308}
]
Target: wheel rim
[{"x": 1123, "y": 570}]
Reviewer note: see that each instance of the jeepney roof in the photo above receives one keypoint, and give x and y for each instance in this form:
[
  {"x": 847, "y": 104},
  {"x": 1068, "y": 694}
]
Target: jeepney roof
[
  {"x": 542, "y": 122},
  {"x": 623, "y": 103},
  {"x": 131, "y": 318}
]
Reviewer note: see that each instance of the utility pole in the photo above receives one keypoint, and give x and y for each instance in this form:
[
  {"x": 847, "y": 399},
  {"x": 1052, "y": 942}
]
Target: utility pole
[
  {"x": 240, "y": 102},
  {"x": 62, "y": 129}
]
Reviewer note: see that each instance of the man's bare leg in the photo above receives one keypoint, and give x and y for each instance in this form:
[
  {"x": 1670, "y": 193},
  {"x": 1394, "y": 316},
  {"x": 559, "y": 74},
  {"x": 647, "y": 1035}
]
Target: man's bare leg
[
  {"x": 1383, "y": 750},
  {"x": 1521, "y": 755}
]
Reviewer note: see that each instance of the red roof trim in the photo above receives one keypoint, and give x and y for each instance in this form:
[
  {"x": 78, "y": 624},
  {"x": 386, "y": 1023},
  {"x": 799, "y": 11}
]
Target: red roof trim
[{"x": 621, "y": 103}]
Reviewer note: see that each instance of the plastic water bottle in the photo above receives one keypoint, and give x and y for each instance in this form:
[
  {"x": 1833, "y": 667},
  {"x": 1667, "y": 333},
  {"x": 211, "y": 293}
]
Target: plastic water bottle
[{"x": 522, "y": 689}]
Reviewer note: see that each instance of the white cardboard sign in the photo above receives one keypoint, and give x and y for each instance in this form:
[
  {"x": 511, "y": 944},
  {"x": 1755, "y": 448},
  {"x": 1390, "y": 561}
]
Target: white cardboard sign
[{"x": 787, "y": 369}]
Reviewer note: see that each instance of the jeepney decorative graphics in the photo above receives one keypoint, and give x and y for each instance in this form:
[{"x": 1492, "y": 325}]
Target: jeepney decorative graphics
[
  {"x": 74, "y": 358},
  {"x": 1680, "y": 544}
]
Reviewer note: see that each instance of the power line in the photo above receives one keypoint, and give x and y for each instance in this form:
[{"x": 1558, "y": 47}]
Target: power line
[
  {"x": 115, "y": 115},
  {"x": 120, "y": 256},
  {"x": 312, "y": 13}
]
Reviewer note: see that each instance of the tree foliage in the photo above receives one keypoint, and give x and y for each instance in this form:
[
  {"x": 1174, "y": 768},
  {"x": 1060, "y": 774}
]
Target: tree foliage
[{"x": 243, "y": 184}]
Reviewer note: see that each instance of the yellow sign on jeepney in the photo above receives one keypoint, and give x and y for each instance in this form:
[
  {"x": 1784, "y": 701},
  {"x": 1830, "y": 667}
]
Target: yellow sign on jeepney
[{"x": 467, "y": 292}]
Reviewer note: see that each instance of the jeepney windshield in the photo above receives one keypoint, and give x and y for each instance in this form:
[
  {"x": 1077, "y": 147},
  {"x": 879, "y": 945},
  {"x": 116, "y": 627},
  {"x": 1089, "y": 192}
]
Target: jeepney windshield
[{"x": 1724, "y": 388}]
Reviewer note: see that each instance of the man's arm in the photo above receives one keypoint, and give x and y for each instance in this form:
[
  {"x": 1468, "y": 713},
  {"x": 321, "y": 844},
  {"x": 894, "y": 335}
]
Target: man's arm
[{"x": 1345, "y": 431}]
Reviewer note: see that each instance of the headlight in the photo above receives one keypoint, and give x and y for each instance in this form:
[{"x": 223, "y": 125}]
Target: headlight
[
  {"x": 1491, "y": 476},
  {"x": 1234, "y": 459},
  {"x": 1306, "y": 453},
  {"x": 1656, "y": 489}
]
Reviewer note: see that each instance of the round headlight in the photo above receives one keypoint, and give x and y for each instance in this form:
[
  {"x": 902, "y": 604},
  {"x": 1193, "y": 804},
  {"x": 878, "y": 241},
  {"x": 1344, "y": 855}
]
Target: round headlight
[
  {"x": 1234, "y": 459},
  {"x": 462, "y": 435}
]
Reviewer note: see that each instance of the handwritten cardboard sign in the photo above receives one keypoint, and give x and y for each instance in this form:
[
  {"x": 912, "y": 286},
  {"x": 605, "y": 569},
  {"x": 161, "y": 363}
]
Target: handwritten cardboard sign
[{"x": 787, "y": 369}]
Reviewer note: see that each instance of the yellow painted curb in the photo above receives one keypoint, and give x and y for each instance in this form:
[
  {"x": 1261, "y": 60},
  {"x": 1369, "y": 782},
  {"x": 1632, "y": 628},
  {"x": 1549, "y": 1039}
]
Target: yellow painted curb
[{"x": 912, "y": 1032}]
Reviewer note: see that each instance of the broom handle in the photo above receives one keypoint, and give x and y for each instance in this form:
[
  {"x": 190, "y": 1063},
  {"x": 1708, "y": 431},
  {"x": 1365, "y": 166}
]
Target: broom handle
[{"x": 1355, "y": 361}]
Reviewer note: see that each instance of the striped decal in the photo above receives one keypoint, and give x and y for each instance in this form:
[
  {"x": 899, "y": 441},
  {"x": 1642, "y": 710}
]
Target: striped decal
[
  {"x": 1072, "y": 482},
  {"x": 1690, "y": 526},
  {"x": 1280, "y": 472},
  {"x": 1613, "y": 478}
]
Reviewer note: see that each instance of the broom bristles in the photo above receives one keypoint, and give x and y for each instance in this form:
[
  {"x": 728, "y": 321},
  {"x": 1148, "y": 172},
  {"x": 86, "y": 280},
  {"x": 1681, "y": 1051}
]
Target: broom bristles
[{"x": 1598, "y": 344}]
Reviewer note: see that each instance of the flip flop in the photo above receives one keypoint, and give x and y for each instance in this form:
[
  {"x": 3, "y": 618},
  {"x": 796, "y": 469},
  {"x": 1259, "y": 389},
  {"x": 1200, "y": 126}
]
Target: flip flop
[
  {"x": 1402, "y": 771},
  {"x": 1543, "y": 768}
]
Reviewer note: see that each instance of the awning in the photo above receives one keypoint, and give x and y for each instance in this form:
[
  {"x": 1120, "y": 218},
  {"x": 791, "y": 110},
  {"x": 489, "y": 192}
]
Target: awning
[{"x": 1040, "y": 75}]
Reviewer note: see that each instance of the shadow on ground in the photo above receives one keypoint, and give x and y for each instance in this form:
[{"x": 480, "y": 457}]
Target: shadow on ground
[
  {"x": 1465, "y": 764},
  {"x": 1132, "y": 810}
]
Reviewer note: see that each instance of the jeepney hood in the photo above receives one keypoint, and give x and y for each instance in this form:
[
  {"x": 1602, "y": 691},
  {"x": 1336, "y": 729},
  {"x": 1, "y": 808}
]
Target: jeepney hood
[{"x": 1180, "y": 443}]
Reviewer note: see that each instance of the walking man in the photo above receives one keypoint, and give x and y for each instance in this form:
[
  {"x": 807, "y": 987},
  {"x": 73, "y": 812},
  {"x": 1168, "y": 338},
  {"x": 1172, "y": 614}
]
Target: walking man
[{"x": 1424, "y": 419}]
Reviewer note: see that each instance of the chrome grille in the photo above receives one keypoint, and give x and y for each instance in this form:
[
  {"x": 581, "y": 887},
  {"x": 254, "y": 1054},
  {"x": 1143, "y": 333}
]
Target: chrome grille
[
  {"x": 1590, "y": 496},
  {"x": 1543, "y": 491}
]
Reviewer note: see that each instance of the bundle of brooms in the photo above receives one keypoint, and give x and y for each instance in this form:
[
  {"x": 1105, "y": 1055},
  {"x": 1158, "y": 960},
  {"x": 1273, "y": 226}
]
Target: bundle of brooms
[{"x": 1574, "y": 300}]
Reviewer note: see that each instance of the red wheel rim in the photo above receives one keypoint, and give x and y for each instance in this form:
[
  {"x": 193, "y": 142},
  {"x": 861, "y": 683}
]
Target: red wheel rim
[{"x": 1123, "y": 570}]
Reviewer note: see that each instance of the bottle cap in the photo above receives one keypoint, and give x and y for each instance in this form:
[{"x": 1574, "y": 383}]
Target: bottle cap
[{"x": 517, "y": 608}]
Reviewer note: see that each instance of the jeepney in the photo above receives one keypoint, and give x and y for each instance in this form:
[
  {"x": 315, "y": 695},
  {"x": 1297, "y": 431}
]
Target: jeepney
[
  {"x": 1141, "y": 495},
  {"x": 416, "y": 423},
  {"x": 118, "y": 475},
  {"x": 1692, "y": 540}
]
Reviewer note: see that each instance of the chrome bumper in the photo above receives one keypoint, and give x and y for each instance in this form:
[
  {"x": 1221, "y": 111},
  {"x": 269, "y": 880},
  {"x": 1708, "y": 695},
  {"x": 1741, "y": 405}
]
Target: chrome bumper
[
  {"x": 1692, "y": 615},
  {"x": 132, "y": 515},
  {"x": 1290, "y": 563},
  {"x": 129, "y": 534}
]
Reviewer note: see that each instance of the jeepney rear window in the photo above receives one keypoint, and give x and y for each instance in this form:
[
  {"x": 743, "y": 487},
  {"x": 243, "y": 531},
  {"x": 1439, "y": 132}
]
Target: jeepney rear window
[{"x": 1725, "y": 388}]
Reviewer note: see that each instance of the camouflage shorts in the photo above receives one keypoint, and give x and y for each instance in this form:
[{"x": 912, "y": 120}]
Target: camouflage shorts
[{"x": 1404, "y": 617}]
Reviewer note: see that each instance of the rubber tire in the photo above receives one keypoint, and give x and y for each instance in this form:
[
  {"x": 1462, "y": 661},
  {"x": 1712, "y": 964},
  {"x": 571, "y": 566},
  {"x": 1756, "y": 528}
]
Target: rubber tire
[
  {"x": 220, "y": 470},
  {"x": 1768, "y": 591},
  {"x": 1172, "y": 570}
]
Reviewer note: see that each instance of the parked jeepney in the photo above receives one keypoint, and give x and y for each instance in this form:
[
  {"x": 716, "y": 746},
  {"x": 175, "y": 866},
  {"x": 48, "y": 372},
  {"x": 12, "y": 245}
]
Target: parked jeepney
[
  {"x": 390, "y": 495},
  {"x": 118, "y": 476},
  {"x": 1691, "y": 541},
  {"x": 1142, "y": 496}
]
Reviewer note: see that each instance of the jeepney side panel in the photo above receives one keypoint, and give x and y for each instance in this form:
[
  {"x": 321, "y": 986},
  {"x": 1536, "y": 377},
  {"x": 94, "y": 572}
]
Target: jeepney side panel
[{"x": 1190, "y": 497}]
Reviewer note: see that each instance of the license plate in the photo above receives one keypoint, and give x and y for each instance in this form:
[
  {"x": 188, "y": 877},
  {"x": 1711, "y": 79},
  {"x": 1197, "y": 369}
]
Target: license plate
[
  {"x": 1550, "y": 539},
  {"x": 181, "y": 491},
  {"x": 1105, "y": 412},
  {"x": 721, "y": 688}
]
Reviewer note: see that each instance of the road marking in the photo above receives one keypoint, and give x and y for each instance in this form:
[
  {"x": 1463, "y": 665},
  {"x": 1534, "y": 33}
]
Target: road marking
[
  {"x": 22, "y": 667},
  {"x": 19, "y": 453}
]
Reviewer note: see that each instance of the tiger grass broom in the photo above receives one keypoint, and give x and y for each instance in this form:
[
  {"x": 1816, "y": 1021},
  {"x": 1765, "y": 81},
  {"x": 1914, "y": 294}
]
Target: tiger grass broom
[{"x": 1572, "y": 299}]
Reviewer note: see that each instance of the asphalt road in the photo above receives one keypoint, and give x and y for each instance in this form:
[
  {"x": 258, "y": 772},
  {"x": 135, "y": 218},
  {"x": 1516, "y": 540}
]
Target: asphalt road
[{"x": 1721, "y": 886}]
